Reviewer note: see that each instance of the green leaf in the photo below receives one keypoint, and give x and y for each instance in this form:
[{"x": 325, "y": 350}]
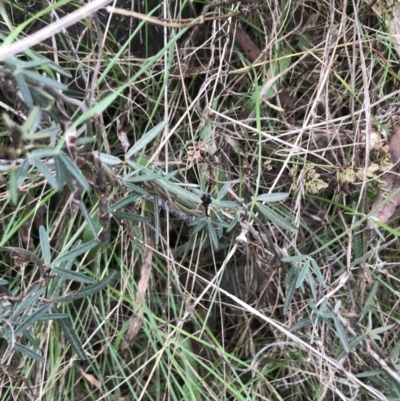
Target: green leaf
[
  {"x": 382, "y": 329},
  {"x": 136, "y": 189},
  {"x": 29, "y": 337},
  {"x": 304, "y": 270},
  {"x": 233, "y": 223},
  {"x": 32, "y": 122},
  {"x": 35, "y": 76},
  {"x": 45, "y": 171},
  {"x": 273, "y": 197},
  {"x": 110, "y": 160},
  {"x": 67, "y": 274},
  {"x": 92, "y": 289},
  {"x": 68, "y": 330},
  {"x": 60, "y": 172},
  {"x": 124, "y": 201},
  {"x": 141, "y": 178},
  {"x": 213, "y": 235},
  {"x": 370, "y": 299},
  {"x": 55, "y": 286},
  {"x": 130, "y": 217},
  {"x": 296, "y": 258},
  {"x": 74, "y": 253},
  {"x": 31, "y": 319},
  {"x": 27, "y": 302},
  {"x": 301, "y": 324},
  {"x": 181, "y": 193},
  {"x": 54, "y": 316},
  {"x": 198, "y": 224},
  {"x": 74, "y": 170},
  {"x": 275, "y": 218},
  {"x": 229, "y": 204},
  {"x": 22, "y": 171},
  {"x": 223, "y": 191},
  {"x": 17, "y": 63},
  {"x": 45, "y": 245},
  {"x": 289, "y": 296},
  {"x": 24, "y": 89},
  {"x": 317, "y": 270},
  {"x": 341, "y": 334},
  {"x": 145, "y": 139},
  {"x": 13, "y": 186},
  {"x": 28, "y": 352}
]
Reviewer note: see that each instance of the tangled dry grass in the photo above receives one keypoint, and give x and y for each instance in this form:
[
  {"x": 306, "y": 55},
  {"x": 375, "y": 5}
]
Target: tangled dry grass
[{"x": 224, "y": 159}]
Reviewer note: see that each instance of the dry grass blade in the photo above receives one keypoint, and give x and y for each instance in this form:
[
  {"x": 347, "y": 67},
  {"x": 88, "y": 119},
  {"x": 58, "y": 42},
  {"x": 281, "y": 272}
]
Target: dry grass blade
[
  {"x": 135, "y": 322},
  {"x": 52, "y": 29}
]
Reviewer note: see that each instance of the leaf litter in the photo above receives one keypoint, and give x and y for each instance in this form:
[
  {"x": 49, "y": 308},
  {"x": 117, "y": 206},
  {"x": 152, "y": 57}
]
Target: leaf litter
[{"x": 385, "y": 209}]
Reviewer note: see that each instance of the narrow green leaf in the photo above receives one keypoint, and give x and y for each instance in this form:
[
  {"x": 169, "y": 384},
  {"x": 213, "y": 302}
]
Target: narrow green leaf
[
  {"x": 233, "y": 223},
  {"x": 44, "y": 153},
  {"x": 28, "y": 64},
  {"x": 60, "y": 172},
  {"x": 311, "y": 283},
  {"x": 341, "y": 334},
  {"x": 13, "y": 185},
  {"x": 124, "y": 201},
  {"x": 88, "y": 219},
  {"x": 304, "y": 270},
  {"x": 275, "y": 218},
  {"x": 74, "y": 253},
  {"x": 181, "y": 193},
  {"x": 198, "y": 225},
  {"x": 27, "y": 302},
  {"x": 223, "y": 191},
  {"x": 295, "y": 258},
  {"x": 22, "y": 171},
  {"x": 145, "y": 139},
  {"x": 317, "y": 270},
  {"x": 45, "y": 171},
  {"x": 28, "y": 352},
  {"x": 68, "y": 330},
  {"x": 35, "y": 76},
  {"x": 92, "y": 289},
  {"x": 229, "y": 204},
  {"x": 136, "y": 189},
  {"x": 54, "y": 316},
  {"x": 301, "y": 324},
  {"x": 312, "y": 306},
  {"x": 24, "y": 89},
  {"x": 45, "y": 245},
  {"x": 74, "y": 170},
  {"x": 33, "y": 121},
  {"x": 3, "y": 282},
  {"x": 370, "y": 299},
  {"x": 382, "y": 329},
  {"x": 213, "y": 235},
  {"x": 31, "y": 319},
  {"x": 30, "y": 338},
  {"x": 141, "y": 178},
  {"x": 130, "y": 217},
  {"x": 55, "y": 286},
  {"x": 72, "y": 275},
  {"x": 273, "y": 197},
  {"x": 110, "y": 160},
  {"x": 289, "y": 296}
]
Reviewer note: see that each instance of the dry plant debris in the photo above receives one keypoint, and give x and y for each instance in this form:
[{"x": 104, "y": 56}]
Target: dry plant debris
[
  {"x": 388, "y": 198},
  {"x": 211, "y": 152}
]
